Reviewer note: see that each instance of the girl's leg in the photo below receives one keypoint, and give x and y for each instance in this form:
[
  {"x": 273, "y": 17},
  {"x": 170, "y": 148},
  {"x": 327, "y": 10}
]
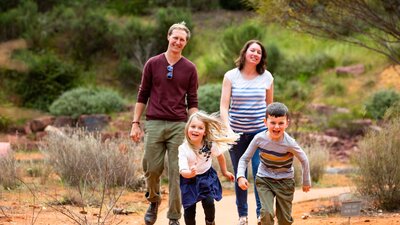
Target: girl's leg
[
  {"x": 209, "y": 209},
  {"x": 190, "y": 215}
]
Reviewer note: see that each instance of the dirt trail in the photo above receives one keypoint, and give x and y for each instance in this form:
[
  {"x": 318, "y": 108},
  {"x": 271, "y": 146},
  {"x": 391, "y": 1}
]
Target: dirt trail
[
  {"x": 6, "y": 49},
  {"x": 226, "y": 212}
]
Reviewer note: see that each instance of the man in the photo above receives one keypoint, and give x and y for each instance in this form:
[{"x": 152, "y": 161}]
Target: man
[{"x": 169, "y": 89}]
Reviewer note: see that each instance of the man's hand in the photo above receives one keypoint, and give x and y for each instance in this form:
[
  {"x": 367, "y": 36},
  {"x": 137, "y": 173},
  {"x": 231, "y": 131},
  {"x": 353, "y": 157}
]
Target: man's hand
[
  {"x": 306, "y": 188},
  {"x": 243, "y": 183},
  {"x": 136, "y": 133}
]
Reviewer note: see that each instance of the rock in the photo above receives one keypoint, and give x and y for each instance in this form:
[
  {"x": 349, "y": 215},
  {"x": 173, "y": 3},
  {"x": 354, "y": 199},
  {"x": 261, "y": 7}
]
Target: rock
[
  {"x": 351, "y": 70},
  {"x": 40, "y": 123},
  {"x": 94, "y": 122},
  {"x": 5, "y": 149},
  {"x": 64, "y": 121}
]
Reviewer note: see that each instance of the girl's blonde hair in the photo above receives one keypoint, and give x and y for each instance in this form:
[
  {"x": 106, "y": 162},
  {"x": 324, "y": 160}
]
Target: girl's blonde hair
[{"x": 215, "y": 131}]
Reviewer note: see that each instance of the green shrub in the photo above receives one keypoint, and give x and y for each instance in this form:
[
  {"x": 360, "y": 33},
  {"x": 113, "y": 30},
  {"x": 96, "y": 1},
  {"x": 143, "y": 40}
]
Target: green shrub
[
  {"x": 234, "y": 38},
  {"x": 380, "y": 101},
  {"x": 214, "y": 69},
  {"x": 209, "y": 96},
  {"x": 89, "y": 34},
  {"x": 135, "y": 7},
  {"x": 45, "y": 80},
  {"x": 129, "y": 75},
  {"x": 233, "y": 4},
  {"x": 273, "y": 57},
  {"x": 87, "y": 101},
  {"x": 304, "y": 66},
  {"x": 16, "y": 21},
  {"x": 333, "y": 86},
  {"x": 378, "y": 161},
  {"x": 4, "y": 123}
]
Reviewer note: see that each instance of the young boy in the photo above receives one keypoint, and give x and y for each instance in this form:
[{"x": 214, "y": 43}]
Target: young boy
[{"x": 275, "y": 172}]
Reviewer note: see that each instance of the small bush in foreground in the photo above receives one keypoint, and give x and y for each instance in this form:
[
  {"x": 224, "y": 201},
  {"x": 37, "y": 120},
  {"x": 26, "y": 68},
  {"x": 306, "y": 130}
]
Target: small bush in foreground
[
  {"x": 82, "y": 158},
  {"x": 8, "y": 176},
  {"x": 318, "y": 156},
  {"x": 378, "y": 160}
]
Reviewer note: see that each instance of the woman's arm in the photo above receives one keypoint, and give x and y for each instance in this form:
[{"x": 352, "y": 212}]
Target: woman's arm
[
  {"x": 222, "y": 165},
  {"x": 270, "y": 95},
  {"x": 225, "y": 101}
]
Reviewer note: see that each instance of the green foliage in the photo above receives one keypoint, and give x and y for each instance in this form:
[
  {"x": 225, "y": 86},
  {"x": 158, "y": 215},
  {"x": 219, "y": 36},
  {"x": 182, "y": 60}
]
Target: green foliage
[
  {"x": 89, "y": 34},
  {"x": 370, "y": 24},
  {"x": 165, "y": 17},
  {"x": 273, "y": 57},
  {"x": 304, "y": 66},
  {"x": 209, "y": 96},
  {"x": 234, "y": 38},
  {"x": 87, "y": 101},
  {"x": 378, "y": 161},
  {"x": 343, "y": 122},
  {"x": 135, "y": 7},
  {"x": 15, "y": 22},
  {"x": 215, "y": 69},
  {"x": 333, "y": 86},
  {"x": 233, "y": 4},
  {"x": 45, "y": 80},
  {"x": 4, "y": 123},
  {"x": 129, "y": 75},
  {"x": 133, "y": 40},
  {"x": 380, "y": 101}
]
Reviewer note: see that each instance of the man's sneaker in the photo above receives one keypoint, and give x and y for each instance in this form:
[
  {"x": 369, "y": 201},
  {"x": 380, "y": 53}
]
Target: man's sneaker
[
  {"x": 151, "y": 214},
  {"x": 173, "y": 222},
  {"x": 243, "y": 220},
  {"x": 259, "y": 220}
]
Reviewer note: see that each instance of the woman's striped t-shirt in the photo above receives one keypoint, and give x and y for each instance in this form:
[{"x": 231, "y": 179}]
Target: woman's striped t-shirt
[{"x": 248, "y": 106}]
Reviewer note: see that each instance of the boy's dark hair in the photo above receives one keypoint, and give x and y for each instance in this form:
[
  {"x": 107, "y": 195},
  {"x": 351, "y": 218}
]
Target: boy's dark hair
[{"x": 277, "y": 109}]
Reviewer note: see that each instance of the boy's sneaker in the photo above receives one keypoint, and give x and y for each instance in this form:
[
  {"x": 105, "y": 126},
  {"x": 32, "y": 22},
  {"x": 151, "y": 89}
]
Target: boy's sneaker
[
  {"x": 243, "y": 220},
  {"x": 173, "y": 222},
  {"x": 259, "y": 220}
]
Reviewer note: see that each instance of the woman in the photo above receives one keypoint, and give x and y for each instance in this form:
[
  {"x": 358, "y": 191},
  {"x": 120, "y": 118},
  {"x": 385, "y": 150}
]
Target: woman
[{"x": 246, "y": 92}]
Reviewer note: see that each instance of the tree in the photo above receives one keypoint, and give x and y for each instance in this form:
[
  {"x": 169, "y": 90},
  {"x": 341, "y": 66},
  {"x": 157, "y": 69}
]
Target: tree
[{"x": 372, "y": 24}]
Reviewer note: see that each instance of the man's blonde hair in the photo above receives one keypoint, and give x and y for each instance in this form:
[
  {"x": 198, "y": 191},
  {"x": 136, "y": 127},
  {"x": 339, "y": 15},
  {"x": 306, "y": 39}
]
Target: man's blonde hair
[{"x": 180, "y": 26}]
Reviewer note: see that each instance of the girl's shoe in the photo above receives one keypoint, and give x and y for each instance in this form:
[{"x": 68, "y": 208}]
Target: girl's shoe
[
  {"x": 243, "y": 220},
  {"x": 210, "y": 223}
]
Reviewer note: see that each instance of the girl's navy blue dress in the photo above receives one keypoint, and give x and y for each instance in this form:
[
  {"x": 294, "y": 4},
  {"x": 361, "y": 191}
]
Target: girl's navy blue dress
[{"x": 201, "y": 186}]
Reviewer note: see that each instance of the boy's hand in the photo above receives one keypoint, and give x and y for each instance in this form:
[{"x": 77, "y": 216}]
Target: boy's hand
[
  {"x": 243, "y": 183},
  {"x": 229, "y": 175},
  {"x": 306, "y": 188}
]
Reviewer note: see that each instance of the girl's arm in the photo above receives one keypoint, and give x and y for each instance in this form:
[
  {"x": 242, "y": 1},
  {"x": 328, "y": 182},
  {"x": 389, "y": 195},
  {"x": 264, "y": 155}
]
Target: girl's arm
[
  {"x": 224, "y": 171},
  {"x": 270, "y": 95},
  {"x": 189, "y": 173},
  {"x": 184, "y": 169}
]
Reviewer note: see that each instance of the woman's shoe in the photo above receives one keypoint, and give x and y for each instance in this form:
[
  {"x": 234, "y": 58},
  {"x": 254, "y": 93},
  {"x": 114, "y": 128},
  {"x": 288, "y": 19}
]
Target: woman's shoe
[{"x": 243, "y": 220}]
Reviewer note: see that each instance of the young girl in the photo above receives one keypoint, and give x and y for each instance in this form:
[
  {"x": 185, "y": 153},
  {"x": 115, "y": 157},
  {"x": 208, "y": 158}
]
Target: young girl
[{"x": 205, "y": 136}]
